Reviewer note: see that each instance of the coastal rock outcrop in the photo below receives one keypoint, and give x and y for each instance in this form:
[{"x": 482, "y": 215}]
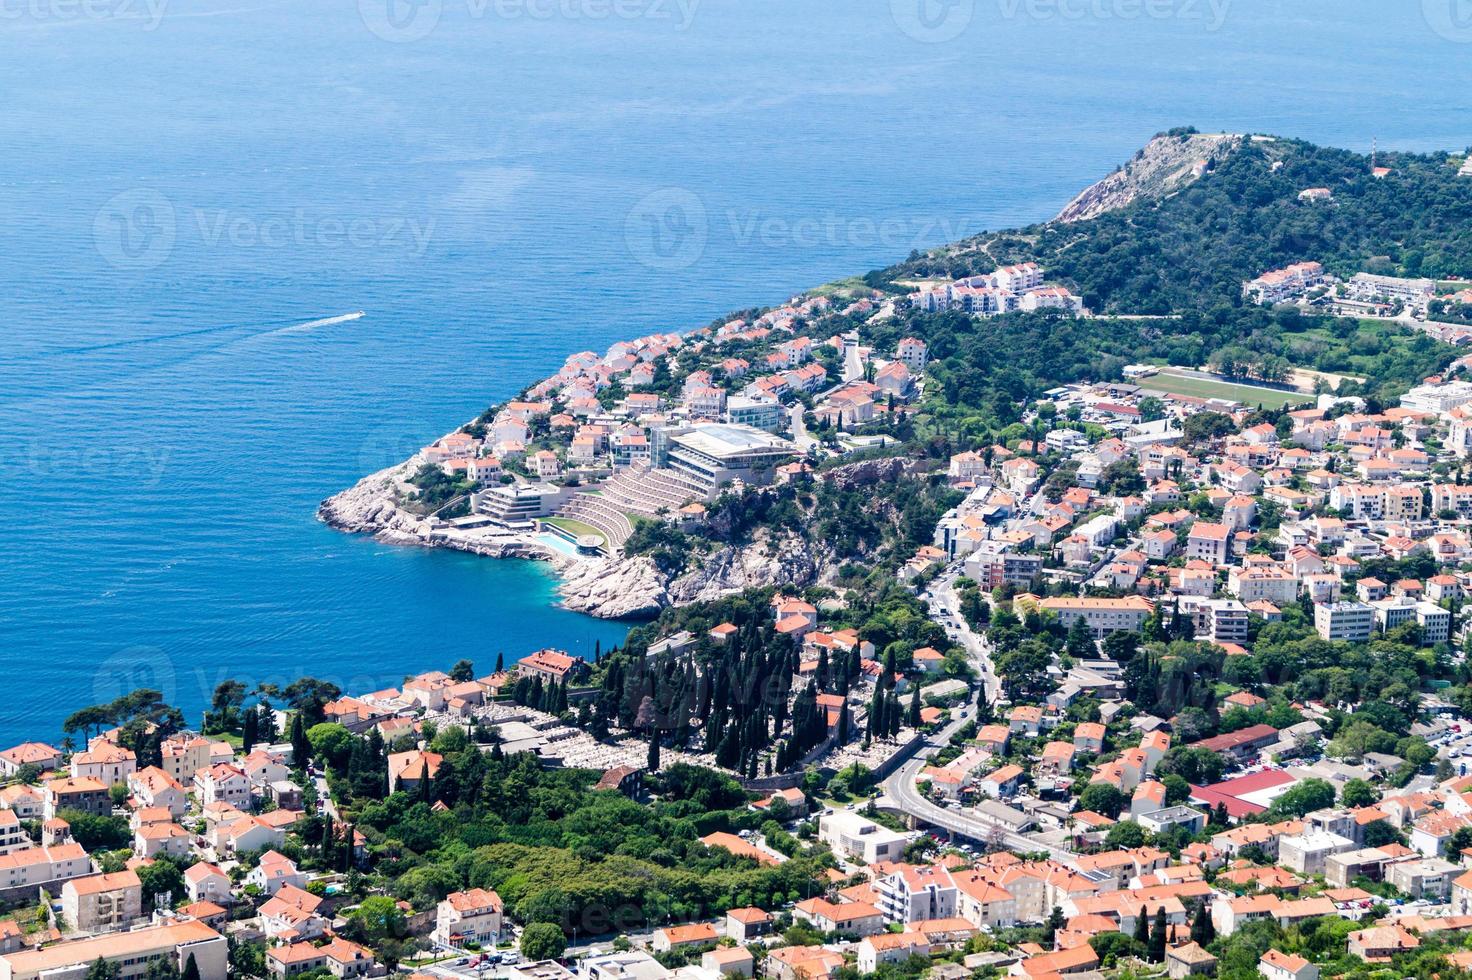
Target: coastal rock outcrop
[
  {"x": 370, "y": 506},
  {"x": 1164, "y": 165},
  {"x": 622, "y": 587},
  {"x": 614, "y": 588}
]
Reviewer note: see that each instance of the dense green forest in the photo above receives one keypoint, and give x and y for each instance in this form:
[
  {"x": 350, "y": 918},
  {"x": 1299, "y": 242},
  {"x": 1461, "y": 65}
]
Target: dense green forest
[{"x": 558, "y": 851}]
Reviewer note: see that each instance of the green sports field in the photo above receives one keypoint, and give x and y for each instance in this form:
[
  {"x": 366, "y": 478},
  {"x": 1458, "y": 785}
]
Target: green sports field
[{"x": 1177, "y": 384}]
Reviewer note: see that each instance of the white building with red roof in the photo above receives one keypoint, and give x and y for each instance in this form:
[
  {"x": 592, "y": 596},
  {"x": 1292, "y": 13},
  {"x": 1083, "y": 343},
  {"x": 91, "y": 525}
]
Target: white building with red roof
[{"x": 474, "y": 915}]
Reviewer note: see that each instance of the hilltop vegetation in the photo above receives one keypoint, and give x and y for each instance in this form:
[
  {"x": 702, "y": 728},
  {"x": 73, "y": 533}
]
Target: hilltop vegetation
[
  {"x": 558, "y": 851},
  {"x": 1193, "y": 249}
]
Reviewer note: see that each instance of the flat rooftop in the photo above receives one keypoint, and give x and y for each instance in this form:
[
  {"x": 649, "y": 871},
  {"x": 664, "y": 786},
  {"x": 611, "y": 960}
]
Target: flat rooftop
[{"x": 723, "y": 440}]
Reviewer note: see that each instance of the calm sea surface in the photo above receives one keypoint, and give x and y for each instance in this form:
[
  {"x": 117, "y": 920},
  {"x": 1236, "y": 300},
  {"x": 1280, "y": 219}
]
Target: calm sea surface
[{"x": 190, "y": 185}]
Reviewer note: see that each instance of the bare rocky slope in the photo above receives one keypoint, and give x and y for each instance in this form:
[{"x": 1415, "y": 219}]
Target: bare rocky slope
[
  {"x": 635, "y": 586},
  {"x": 1163, "y": 166}
]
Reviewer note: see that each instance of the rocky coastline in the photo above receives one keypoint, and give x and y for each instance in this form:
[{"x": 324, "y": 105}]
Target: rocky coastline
[
  {"x": 372, "y": 506},
  {"x": 608, "y": 588}
]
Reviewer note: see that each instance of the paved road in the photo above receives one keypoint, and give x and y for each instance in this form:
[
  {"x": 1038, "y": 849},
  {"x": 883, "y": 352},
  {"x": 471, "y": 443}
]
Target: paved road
[
  {"x": 943, "y": 598},
  {"x": 799, "y": 426},
  {"x": 900, "y": 786}
]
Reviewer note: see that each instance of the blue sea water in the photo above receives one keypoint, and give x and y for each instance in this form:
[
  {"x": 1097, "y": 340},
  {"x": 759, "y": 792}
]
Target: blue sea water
[{"x": 496, "y": 183}]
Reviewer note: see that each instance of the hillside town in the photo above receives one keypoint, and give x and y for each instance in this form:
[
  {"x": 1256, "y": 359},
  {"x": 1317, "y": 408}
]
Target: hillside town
[
  {"x": 656, "y": 427},
  {"x": 1120, "y": 667},
  {"x": 1023, "y": 815}
]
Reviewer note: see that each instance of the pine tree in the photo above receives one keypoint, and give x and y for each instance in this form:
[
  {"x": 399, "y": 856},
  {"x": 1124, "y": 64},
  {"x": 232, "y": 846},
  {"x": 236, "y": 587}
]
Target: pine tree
[
  {"x": 1080, "y": 642},
  {"x": 1051, "y": 927},
  {"x": 102, "y": 969}
]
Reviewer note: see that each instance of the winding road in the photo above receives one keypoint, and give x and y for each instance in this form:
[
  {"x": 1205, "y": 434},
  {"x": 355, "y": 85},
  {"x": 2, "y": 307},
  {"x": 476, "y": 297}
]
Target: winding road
[{"x": 900, "y": 786}]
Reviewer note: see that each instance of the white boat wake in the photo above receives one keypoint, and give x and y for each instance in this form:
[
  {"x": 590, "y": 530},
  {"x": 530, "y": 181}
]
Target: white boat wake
[{"x": 315, "y": 324}]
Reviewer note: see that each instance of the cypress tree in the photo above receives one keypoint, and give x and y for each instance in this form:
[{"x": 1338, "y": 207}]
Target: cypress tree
[
  {"x": 248, "y": 734},
  {"x": 1203, "y": 931},
  {"x": 191, "y": 969},
  {"x": 265, "y": 723},
  {"x": 915, "y": 708},
  {"x": 1157, "y": 937},
  {"x": 301, "y": 749},
  {"x": 876, "y": 712},
  {"x": 375, "y": 767},
  {"x": 653, "y": 762},
  {"x": 1142, "y": 928}
]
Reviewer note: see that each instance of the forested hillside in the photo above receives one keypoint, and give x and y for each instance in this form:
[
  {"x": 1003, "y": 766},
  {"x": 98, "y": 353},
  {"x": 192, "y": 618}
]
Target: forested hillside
[{"x": 1193, "y": 249}]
